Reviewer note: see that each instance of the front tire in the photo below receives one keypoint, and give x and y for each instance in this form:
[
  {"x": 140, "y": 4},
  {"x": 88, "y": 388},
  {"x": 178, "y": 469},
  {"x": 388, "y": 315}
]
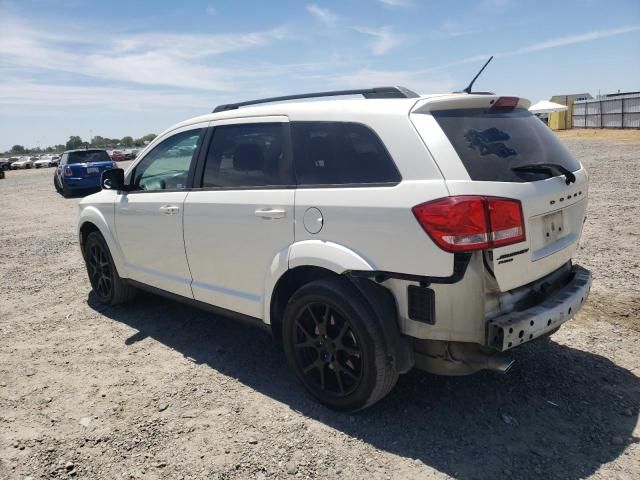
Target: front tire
[
  {"x": 109, "y": 288},
  {"x": 335, "y": 347}
]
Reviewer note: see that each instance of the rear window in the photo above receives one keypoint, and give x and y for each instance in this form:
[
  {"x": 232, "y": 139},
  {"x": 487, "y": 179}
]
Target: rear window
[
  {"x": 88, "y": 156},
  {"x": 340, "y": 153},
  {"x": 491, "y": 144}
]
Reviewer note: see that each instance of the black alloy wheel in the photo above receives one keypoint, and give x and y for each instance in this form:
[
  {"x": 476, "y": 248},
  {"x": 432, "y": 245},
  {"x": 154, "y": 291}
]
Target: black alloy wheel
[
  {"x": 100, "y": 271},
  {"x": 335, "y": 345},
  {"x": 103, "y": 275},
  {"x": 327, "y": 350}
]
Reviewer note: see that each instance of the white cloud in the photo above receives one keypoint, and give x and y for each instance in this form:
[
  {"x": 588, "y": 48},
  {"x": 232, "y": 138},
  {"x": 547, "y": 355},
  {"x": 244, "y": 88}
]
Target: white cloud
[
  {"x": 545, "y": 45},
  {"x": 413, "y": 80},
  {"x": 26, "y": 94},
  {"x": 384, "y": 38},
  {"x": 572, "y": 39},
  {"x": 144, "y": 58},
  {"x": 395, "y": 3},
  {"x": 324, "y": 15}
]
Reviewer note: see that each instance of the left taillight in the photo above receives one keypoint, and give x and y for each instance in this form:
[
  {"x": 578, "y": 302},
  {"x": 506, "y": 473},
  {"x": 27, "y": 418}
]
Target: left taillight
[
  {"x": 67, "y": 171},
  {"x": 466, "y": 223},
  {"x": 114, "y": 165}
]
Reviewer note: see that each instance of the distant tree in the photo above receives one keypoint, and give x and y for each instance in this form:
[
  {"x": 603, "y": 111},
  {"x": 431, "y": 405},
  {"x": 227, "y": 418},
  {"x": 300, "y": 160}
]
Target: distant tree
[
  {"x": 127, "y": 141},
  {"x": 18, "y": 149},
  {"x": 148, "y": 138},
  {"x": 74, "y": 142}
]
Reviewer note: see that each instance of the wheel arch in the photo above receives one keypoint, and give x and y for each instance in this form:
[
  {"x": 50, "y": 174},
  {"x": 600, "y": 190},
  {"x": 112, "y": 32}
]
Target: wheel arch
[
  {"x": 313, "y": 260},
  {"x": 92, "y": 220}
]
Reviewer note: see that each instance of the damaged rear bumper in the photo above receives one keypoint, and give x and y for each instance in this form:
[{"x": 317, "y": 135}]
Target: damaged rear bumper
[{"x": 515, "y": 328}]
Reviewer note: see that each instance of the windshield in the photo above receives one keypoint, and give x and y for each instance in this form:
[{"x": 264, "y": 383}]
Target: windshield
[
  {"x": 88, "y": 156},
  {"x": 491, "y": 144}
]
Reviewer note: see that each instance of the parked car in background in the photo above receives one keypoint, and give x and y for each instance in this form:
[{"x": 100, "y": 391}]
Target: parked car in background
[
  {"x": 45, "y": 161},
  {"x": 81, "y": 170},
  {"x": 117, "y": 156},
  {"x": 23, "y": 163},
  {"x": 5, "y": 163}
]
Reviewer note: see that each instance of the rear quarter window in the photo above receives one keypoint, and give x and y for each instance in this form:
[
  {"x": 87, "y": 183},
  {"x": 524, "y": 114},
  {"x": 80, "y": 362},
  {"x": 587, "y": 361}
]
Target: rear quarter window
[
  {"x": 491, "y": 144},
  {"x": 340, "y": 153}
]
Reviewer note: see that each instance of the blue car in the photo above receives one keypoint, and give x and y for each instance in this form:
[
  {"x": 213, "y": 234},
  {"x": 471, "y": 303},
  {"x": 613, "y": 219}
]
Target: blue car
[{"x": 81, "y": 170}]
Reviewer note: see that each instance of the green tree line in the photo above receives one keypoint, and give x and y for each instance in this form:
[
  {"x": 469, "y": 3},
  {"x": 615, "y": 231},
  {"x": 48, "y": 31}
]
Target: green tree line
[{"x": 76, "y": 141}]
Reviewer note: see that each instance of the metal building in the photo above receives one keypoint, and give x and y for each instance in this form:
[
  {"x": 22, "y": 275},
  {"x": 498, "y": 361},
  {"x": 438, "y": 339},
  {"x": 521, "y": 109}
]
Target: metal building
[{"x": 618, "y": 110}]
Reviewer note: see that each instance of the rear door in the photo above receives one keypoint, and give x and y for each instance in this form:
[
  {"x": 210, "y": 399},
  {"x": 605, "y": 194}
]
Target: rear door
[
  {"x": 148, "y": 219},
  {"x": 240, "y": 220},
  {"x": 483, "y": 150}
]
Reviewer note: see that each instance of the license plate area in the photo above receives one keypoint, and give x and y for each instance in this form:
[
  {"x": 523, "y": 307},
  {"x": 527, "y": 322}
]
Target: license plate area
[
  {"x": 93, "y": 170},
  {"x": 553, "y": 227}
]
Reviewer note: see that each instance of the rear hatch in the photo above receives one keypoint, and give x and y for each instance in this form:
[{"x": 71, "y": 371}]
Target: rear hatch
[
  {"x": 493, "y": 146},
  {"x": 89, "y": 163}
]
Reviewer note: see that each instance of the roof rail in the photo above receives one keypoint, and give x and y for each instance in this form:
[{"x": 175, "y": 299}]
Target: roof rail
[{"x": 378, "y": 92}]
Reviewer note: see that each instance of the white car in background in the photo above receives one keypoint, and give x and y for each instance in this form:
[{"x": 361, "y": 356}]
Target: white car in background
[
  {"x": 369, "y": 235},
  {"x": 46, "y": 161},
  {"x": 24, "y": 163}
]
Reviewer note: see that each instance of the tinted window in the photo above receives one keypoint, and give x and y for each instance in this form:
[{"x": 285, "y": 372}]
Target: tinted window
[
  {"x": 166, "y": 167},
  {"x": 491, "y": 144},
  {"x": 337, "y": 153},
  {"x": 247, "y": 155},
  {"x": 88, "y": 156}
]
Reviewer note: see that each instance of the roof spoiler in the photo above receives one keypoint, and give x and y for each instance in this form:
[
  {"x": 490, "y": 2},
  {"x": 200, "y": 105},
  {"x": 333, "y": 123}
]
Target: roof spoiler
[{"x": 377, "y": 92}]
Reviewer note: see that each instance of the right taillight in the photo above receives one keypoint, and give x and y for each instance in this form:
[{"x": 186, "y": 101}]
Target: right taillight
[{"x": 470, "y": 222}]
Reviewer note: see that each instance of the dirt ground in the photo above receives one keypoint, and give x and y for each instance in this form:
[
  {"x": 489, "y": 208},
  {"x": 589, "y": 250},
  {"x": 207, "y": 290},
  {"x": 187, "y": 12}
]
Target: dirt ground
[{"x": 158, "y": 390}]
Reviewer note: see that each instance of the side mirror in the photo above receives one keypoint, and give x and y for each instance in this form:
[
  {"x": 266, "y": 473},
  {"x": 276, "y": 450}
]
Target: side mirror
[{"x": 113, "y": 179}]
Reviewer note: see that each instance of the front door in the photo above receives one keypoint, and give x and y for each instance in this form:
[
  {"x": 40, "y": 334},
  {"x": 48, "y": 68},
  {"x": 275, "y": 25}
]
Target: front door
[
  {"x": 241, "y": 218},
  {"x": 148, "y": 219}
]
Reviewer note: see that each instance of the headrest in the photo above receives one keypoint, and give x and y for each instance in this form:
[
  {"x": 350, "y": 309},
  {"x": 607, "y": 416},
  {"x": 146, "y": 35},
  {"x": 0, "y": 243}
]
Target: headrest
[
  {"x": 320, "y": 148},
  {"x": 248, "y": 157}
]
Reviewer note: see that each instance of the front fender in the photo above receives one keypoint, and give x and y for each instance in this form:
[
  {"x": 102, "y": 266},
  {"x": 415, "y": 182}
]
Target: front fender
[
  {"x": 314, "y": 253},
  {"x": 103, "y": 218}
]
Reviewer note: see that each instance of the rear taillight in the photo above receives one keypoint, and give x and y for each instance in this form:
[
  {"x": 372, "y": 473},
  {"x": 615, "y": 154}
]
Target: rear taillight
[
  {"x": 468, "y": 222},
  {"x": 67, "y": 171},
  {"x": 114, "y": 165}
]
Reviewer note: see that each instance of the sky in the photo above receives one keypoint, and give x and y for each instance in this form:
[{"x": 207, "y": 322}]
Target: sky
[{"x": 116, "y": 68}]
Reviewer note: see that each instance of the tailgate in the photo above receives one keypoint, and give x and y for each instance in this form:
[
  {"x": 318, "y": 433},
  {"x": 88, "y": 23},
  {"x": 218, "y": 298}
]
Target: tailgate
[
  {"x": 554, "y": 214},
  {"x": 487, "y": 146}
]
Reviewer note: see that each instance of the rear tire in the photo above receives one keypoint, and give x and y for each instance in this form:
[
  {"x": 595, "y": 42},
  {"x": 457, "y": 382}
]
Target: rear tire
[
  {"x": 66, "y": 192},
  {"x": 335, "y": 347},
  {"x": 109, "y": 288},
  {"x": 56, "y": 184}
]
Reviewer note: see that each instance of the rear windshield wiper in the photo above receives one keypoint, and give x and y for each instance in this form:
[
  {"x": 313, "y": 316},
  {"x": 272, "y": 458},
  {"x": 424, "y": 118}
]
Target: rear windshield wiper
[{"x": 548, "y": 168}]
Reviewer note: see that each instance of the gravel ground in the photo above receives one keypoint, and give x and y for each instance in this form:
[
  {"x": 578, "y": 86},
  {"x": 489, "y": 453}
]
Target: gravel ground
[{"x": 158, "y": 390}]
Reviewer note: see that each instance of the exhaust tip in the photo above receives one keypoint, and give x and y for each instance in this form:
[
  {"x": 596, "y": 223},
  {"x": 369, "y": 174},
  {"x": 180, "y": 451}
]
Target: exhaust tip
[{"x": 500, "y": 364}]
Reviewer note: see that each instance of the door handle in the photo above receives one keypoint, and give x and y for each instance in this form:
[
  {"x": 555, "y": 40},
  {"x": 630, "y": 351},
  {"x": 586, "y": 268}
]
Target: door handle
[
  {"x": 169, "y": 209},
  {"x": 270, "y": 213}
]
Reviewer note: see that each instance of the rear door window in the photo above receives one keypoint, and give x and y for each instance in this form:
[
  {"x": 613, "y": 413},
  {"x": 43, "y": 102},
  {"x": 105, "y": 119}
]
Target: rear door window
[
  {"x": 247, "y": 155},
  {"x": 340, "y": 153},
  {"x": 491, "y": 144}
]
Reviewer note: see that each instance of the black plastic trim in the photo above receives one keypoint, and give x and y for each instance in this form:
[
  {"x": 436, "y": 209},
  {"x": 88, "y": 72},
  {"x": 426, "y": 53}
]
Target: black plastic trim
[
  {"x": 246, "y": 319},
  {"x": 460, "y": 264}
]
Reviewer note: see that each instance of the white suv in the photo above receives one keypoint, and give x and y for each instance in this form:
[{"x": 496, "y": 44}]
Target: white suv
[{"x": 369, "y": 235}]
